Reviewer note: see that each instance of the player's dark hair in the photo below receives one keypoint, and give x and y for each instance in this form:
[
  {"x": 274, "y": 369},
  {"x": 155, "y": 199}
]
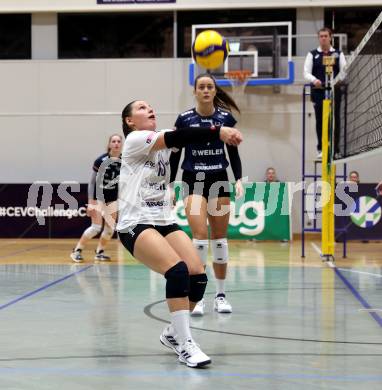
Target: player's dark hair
[
  {"x": 125, "y": 113},
  {"x": 221, "y": 99},
  {"x": 325, "y": 29},
  {"x": 108, "y": 142}
]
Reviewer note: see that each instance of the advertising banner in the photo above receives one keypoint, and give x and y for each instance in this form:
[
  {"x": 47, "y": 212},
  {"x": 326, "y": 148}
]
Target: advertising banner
[
  {"x": 262, "y": 214},
  {"x": 44, "y": 210},
  {"x": 363, "y": 222}
]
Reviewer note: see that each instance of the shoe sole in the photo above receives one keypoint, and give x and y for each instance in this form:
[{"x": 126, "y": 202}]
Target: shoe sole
[
  {"x": 167, "y": 344},
  {"x": 195, "y": 365},
  {"x": 76, "y": 260},
  {"x": 197, "y": 314},
  {"x": 223, "y": 311},
  {"x": 107, "y": 258}
]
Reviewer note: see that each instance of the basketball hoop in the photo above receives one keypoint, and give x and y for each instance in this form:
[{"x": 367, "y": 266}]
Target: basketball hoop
[
  {"x": 238, "y": 76},
  {"x": 238, "y": 80}
]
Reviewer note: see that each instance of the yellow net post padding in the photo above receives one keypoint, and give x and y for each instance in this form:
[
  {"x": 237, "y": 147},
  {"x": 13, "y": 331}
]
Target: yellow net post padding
[
  {"x": 328, "y": 186},
  {"x": 328, "y": 169}
]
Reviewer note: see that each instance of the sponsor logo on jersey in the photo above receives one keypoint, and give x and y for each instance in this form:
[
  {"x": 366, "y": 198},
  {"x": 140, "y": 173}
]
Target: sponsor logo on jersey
[
  {"x": 224, "y": 113},
  {"x": 186, "y": 113},
  {"x": 160, "y": 203},
  {"x": 149, "y": 164},
  {"x": 208, "y": 152},
  {"x": 203, "y": 167},
  {"x": 150, "y": 138},
  {"x": 157, "y": 186}
]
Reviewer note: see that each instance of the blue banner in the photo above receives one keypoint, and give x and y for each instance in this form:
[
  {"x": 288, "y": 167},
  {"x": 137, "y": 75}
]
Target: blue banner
[{"x": 364, "y": 221}]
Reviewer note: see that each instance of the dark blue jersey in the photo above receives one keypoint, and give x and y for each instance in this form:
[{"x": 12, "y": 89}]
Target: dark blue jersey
[
  {"x": 107, "y": 169},
  {"x": 207, "y": 157},
  {"x": 318, "y": 69}
]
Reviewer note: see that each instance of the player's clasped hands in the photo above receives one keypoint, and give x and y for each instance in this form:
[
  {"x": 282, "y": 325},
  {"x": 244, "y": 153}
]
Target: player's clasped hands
[{"x": 231, "y": 136}]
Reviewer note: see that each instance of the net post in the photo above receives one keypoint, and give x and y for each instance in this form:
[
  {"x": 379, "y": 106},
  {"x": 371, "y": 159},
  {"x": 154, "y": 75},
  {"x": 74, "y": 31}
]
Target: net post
[
  {"x": 328, "y": 180},
  {"x": 328, "y": 169}
]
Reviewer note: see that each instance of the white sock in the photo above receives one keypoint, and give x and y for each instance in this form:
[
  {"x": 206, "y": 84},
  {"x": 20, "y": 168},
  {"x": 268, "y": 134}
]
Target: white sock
[
  {"x": 180, "y": 320},
  {"x": 220, "y": 286}
]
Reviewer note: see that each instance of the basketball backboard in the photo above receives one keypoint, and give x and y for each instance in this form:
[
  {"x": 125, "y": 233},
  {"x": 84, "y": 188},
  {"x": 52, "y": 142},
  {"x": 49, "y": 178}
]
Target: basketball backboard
[{"x": 263, "y": 48}]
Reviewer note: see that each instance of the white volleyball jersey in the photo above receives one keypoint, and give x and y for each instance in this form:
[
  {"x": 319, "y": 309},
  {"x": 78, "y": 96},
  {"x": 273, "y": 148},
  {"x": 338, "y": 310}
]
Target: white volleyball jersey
[{"x": 144, "y": 195}]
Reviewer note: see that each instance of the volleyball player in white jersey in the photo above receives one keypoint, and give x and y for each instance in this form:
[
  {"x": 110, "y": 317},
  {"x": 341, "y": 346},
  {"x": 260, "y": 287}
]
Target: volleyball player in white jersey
[
  {"x": 146, "y": 226},
  {"x": 102, "y": 196},
  {"x": 205, "y": 181}
]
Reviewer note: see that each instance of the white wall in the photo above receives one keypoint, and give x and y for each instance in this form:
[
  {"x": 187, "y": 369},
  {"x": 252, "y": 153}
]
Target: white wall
[
  {"x": 44, "y": 36},
  {"x": 55, "y": 117},
  {"x": 91, "y": 5}
]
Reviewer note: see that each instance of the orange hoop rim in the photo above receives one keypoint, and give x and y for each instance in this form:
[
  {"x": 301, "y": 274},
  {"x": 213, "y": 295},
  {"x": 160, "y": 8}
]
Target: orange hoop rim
[{"x": 241, "y": 75}]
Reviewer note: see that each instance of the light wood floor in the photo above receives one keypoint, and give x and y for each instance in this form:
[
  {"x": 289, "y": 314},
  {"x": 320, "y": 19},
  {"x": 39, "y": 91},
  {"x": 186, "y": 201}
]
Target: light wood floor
[{"x": 56, "y": 251}]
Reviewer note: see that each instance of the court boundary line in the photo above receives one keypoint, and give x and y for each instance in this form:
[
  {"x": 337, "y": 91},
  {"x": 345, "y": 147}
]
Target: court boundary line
[
  {"x": 147, "y": 310},
  {"x": 42, "y": 288},
  {"x": 351, "y": 288}
]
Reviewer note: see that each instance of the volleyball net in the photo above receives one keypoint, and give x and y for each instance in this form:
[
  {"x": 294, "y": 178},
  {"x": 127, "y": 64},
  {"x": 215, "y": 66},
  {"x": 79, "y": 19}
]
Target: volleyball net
[{"x": 358, "y": 91}]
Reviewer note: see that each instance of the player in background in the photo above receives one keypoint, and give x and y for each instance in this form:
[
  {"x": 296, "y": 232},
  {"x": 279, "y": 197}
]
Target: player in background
[
  {"x": 102, "y": 197},
  {"x": 206, "y": 191}
]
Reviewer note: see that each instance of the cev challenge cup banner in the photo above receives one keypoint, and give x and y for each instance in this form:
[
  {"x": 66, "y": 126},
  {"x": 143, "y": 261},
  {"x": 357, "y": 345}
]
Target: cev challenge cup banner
[{"x": 263, "y": 213}]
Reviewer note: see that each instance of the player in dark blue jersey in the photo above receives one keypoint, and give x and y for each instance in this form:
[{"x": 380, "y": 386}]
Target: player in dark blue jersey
[
  {"x": 102, "y": 199},
  {"x": 206, "y": 189}
]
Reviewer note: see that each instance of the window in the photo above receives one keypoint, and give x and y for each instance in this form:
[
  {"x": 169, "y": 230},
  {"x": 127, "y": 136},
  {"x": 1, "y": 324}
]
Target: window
[
  {"x": 112, "y": 35},
  {"x": 355, "y": 22},
  {"x": 15, "y": 37}
]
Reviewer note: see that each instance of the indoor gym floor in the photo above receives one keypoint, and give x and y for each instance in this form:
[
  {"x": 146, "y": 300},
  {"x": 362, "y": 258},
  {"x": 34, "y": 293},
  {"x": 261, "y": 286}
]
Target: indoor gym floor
[{"x": 297, "y": 323}]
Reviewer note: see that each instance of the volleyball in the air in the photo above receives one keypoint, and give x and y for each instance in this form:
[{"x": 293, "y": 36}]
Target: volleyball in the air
[{"x": 210, "y": 49}]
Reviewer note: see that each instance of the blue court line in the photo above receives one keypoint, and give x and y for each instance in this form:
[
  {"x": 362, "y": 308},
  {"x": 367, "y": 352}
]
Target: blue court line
[
  {"x": 42, "y": 288},
  {"x": 358, "y": 296}
]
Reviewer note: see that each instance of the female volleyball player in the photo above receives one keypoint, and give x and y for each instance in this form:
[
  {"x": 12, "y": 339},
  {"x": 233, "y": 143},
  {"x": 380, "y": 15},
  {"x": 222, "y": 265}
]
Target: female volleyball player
[
  {"x": 146, "y": 226},
  {"x": 205, "y": 180},
  {"x": 102, "y": 196}
]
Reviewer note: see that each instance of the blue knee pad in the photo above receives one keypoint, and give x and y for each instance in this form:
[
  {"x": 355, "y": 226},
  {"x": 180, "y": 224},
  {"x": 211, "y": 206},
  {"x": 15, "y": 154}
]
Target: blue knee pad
[
  {"x": 178, "y": 281},
  {"x": 198, "y": 284}
]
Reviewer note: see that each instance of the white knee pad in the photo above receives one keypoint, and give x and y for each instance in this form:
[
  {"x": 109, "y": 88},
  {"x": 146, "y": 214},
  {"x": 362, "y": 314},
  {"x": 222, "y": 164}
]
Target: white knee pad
[
  {"x": 220, "y": 250},
  {"x": 92, "y": 231},
  {"x": 107, "y": 233},
  {"x": 202, "y": 248}
]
